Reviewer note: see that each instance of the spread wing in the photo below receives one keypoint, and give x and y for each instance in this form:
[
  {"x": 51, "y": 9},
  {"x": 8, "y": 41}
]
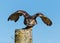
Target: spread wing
[
  {"x": 15, "y": 15},
  {"x": 45, "y": 19}
]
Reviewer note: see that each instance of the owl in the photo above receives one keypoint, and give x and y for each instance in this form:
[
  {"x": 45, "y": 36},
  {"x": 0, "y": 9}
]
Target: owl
[{"x": 29, "y": 20}]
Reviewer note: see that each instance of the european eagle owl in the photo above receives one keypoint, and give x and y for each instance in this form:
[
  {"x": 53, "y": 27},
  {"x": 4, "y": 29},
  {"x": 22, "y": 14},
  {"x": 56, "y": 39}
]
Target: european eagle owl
[{"x": 29, "y": 20}]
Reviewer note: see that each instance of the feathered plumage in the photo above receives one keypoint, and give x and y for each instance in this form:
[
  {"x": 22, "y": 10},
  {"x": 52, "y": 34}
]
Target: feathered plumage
[
  {"x": 29, "y": 21},
  {"x": 45, "y": 19}
]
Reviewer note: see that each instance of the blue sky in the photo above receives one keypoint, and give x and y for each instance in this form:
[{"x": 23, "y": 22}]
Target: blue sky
[{"x": 41, "y": 32}]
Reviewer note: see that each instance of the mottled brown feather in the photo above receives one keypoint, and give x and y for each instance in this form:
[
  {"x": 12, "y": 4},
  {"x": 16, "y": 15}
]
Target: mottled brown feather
[
  {"x": 15, "y": 15},
  {"x": 46, "y": 20}
]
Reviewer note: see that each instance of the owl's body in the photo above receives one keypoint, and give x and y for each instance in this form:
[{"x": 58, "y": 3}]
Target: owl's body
[{"x": 29, "y": 21}]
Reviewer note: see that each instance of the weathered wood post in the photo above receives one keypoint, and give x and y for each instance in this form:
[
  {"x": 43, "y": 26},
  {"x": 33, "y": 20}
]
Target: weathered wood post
[{"x": 23, "y": 35}]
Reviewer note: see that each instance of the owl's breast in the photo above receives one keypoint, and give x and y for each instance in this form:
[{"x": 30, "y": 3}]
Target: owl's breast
[{"x": 30, "y": 22}]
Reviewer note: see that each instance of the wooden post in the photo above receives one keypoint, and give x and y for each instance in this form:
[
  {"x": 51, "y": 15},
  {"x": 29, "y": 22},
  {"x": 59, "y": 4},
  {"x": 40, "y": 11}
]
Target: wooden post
[{"x": 23, "y": 35}]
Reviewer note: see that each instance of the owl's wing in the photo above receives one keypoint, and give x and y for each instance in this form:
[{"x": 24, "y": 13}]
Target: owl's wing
[
  {"x": 15, "y": 15},
  {"x": 45, "y": 19}
]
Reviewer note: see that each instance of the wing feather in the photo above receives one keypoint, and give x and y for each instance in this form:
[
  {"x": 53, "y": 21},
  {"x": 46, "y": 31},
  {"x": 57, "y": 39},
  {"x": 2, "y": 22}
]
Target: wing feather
[
  {"x": 45, "y": 19},
  {"x": 15, "y": 15}
]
